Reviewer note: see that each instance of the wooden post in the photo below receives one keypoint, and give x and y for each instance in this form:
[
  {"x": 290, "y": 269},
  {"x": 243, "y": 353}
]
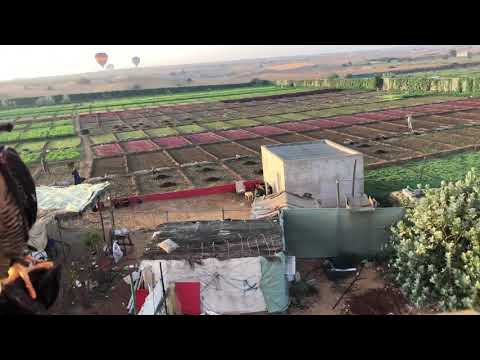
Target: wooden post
[
  {"x": 353, "y": 180},
  {"x": 166, "y": 214},
  {"x": 163, "y": 287},
  {"x": 338, "y": 193},
  {"x": 223, "y": 214}
]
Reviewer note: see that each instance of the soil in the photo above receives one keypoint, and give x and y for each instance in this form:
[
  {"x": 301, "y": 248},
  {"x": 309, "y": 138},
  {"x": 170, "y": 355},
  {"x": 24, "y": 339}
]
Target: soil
[
  {"x": 331, "y": 135},
  {"x": 148, "y": 161},
  {"x": 189, "y": 155},
  {"x": 122, "y": 186},
  {"x": 238, "y": 134},
  {"x": 139, "y": 146},
  {"x": 216, "y": 175},
  {"x": 248, "y": 168},
  {"x": 384, "y": 301},
  {"x": 290, "y": 138},
  {"x": 115, "y": 165},
  {"x": 59, "y": 173},
  {"x": 364, "y": 132},
  {"x": 417, "y": 144},
  {"x": 449, "y": 137},
  {"x": 226, "y": 150},
  {"x": 158, "y": 182},
  {"x": 387, "y": 126},
  {"x": 386, "y": 152},
  {"x": 255, "y": 144},
  {"x": 108, "y": 150}
]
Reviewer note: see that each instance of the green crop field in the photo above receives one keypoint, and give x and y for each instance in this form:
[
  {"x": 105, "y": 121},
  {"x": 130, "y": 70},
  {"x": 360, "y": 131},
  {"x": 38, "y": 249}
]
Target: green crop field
[
  {"x": 188, "y": 129},
  {"x": 380, "y": 182},
  {"x": 72, "y": 142},
  {"x": 140, "y": 101},
  {"x": 160, "y": 132},
  {"x": 137, "y": 134},
  {"x": 243, "y": 122},
  {"x": 6, "y": 137},
  {"x": 30, "y": 157},
  {"x": 36, "y": 146},
  {"x": 42, "y": 124},
  {"x": 63, "y": 154},
  {"x": 297, "y": 117},
  {"x": 103, "y": 139},
  {"x": 270, "y": 119},
  {"x": 218, "y": 125},
  {"x": 61, "y": 131},
  {"x": 39, "y": 133}
]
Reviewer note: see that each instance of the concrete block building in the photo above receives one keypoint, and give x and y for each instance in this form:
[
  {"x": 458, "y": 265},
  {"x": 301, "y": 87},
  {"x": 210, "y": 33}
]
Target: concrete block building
[{"x": 314, "y": 168}]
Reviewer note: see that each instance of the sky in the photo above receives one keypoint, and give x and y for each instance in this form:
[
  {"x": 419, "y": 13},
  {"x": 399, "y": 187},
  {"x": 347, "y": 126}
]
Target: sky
[{"x": 30, "y": 61}]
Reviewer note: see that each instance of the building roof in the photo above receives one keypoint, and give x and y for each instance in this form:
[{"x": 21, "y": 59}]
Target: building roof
[
  {"x": 310, "y": 150},
  {"x": 217, "y": 239},
  {"x": 271, "y": 205}
]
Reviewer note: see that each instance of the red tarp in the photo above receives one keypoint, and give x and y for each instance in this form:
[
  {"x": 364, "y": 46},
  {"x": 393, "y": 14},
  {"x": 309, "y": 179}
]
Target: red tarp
[
  {"x": 140, "y": 297},
  {"x": 188, "y": 297}
]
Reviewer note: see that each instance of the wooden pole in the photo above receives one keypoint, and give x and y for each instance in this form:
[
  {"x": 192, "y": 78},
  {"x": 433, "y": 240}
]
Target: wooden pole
[
  {"x": 163, "y": 287},
  {"x": 353, "y": 180},
  {"x": 338, "y": 193},
  {"x": 101, "y": 220}
]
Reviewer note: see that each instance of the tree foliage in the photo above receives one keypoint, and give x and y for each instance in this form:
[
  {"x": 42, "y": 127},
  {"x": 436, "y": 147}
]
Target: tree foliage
[{"x": 435, "y": 249}]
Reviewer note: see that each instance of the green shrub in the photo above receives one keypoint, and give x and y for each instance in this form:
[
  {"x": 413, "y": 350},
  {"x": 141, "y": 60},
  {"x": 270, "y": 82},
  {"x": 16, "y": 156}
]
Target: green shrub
[{"x": 435, "y": 249}]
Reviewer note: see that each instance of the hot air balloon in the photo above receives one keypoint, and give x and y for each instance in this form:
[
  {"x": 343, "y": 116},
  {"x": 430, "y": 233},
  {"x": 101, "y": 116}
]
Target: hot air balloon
[
  {"x": 136, "y": 60},
  {"x": 110, "y": 67},
  {"x": 101, "y": 58}
]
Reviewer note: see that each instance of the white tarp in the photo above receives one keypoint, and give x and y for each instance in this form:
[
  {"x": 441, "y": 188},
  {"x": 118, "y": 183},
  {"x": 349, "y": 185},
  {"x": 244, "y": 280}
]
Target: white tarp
[
  {"x": 226, "y": 287},
  {"x": 38, "y": 234}
]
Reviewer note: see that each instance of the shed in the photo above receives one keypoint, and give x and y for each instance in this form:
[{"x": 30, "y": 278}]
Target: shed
[{"x": 314, "y": 168}]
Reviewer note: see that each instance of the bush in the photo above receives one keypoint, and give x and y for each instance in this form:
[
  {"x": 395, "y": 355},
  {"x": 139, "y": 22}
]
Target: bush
[
  {"x": 45, "y": 100},
  {"x": 333, "y": 76},
  {"x": 348, "y": 76},
  {"x": 435, "y": 249}
]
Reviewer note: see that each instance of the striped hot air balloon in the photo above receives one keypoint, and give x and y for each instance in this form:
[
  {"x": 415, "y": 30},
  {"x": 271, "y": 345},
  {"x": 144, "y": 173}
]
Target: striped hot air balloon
[
  {"x": 101, "y": 58},
  {"x": 136, "y": 60}
]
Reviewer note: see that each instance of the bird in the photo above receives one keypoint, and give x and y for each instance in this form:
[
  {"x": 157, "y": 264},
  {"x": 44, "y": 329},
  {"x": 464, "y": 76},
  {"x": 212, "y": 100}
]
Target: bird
[{"x": 18, "y": 213}]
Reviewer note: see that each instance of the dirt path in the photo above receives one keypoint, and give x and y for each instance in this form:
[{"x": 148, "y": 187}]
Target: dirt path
[{"x": 87, "y": 163}]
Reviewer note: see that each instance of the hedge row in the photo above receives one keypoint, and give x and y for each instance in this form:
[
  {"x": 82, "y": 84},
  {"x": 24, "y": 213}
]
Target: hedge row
[
  {"x": 87, "y": 97},
  {"x": 351, "y": 83}
]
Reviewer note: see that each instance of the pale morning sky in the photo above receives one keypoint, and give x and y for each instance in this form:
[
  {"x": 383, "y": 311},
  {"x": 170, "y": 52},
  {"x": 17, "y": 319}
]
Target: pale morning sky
[{"x": 28, "y": 61}]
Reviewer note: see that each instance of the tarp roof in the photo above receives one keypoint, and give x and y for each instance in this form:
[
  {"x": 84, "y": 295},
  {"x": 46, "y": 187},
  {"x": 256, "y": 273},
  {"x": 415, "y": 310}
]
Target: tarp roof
[
  {"x": 270, "y": 205},
  {"x": 75, "y": 198}
]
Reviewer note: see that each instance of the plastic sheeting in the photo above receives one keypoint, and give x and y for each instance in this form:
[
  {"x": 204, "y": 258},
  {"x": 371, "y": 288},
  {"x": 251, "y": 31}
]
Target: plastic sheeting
[
  {"x": 314, "y": 233},
  {"x": 234, "y": 286},
  {"x": 71, "y": 198},
  {"x": 38, "y": 234},
  {"x": 271, "y": 205},
  {"x": 273, "y": 283}
]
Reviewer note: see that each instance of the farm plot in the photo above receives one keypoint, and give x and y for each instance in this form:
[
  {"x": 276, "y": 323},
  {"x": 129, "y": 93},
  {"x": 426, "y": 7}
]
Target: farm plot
[
  {"x": 71, "y": 142},
  {"x": 419, "y": 124},
  {"x": 243, "y": 123},
  {"x": 204, "y": 138},
  {"x": 332, "y": 136},
  {"x": 248, "y": 168},
  {"x": 190, "y": 155},
  {"x": 109, "y": 166},
  {"x": 139, "y": 146},
  {"x": 388, "y": 127},
  {"x": 450, "y": 120},
  {"x": 451, "y": 138},
  {"x": 323, "y": 124},
  {"x": 148, "y": 161},
  {"x": 63, "y": 154},
  {"x": 171, "y": 142},
  {"x": 417, "y": 144},
  {"x": 384, "y": 152},
  {"x": 189, "y": 129},
  {"x": 103, "y": 139},
  {"x": 255, "y": 144},
  {"x": 218, "y": 125},
  {"x": 138, "y": 134},
  {"x": 161, "y": 132},
  {"x": 238, "y": 134},
  {"x": 290, "y": 138},
  {"x": 227, "y": 150},
  {"x": 208, "y": 175},
  {"x": 122, "y": 186},
  {"x": 296, "y": 116},
  {"x": 364, "y": 132},
  {"x": 266, "y": 130},
  {"x": 460, "y": 119},
  {"x": 470, "y": 131},
  {"x": 58, "y": 174},
  {"x": 350, "y": 120},
  {"x": 298, "y": 126},
  {"x": 161, "y": 181},
  {"x": 107, "y": 150}
]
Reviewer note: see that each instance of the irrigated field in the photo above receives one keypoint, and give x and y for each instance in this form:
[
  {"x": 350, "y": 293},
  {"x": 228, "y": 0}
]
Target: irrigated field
[{"x": 208, "y": 143}]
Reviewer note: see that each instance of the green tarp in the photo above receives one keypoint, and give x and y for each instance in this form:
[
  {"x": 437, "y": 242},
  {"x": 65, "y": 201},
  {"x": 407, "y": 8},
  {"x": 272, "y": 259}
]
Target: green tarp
[
  {"x": 312, "y": 233},
  {"x": 274, "y": 283},
  {"x": 73, "y": 198}
]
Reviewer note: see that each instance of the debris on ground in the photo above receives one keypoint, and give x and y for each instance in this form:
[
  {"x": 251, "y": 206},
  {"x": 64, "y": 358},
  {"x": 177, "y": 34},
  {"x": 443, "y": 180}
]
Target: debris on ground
[{"x": 383, "y": 301}]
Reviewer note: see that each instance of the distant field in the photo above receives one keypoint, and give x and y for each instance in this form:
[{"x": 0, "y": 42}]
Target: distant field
[{"x": 192, "y": 97}]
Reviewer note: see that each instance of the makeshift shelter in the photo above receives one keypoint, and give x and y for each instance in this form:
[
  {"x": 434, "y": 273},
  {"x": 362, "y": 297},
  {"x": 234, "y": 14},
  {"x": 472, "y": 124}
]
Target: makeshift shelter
[
  {"x": 59, "y": 202},
  {"x": 224, "y": 267},
  {"x": 271, "y": 205}
]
